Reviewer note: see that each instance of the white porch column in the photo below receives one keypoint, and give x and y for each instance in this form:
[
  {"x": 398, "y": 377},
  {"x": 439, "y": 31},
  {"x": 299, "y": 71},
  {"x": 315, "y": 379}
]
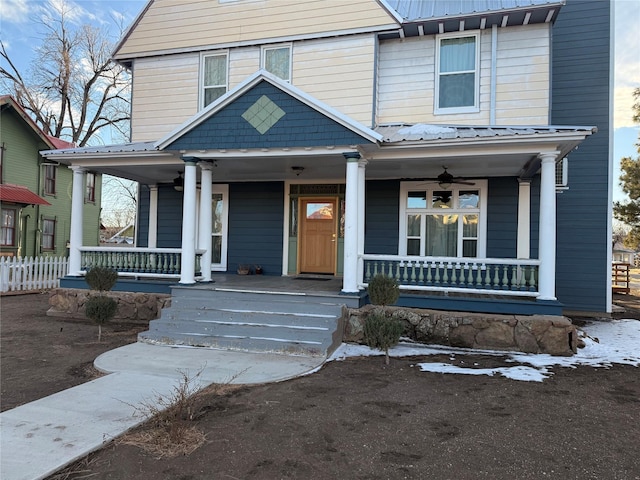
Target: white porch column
[
  {"x": 206, "y": 219},
  {"x": 187, "y": 267},
  {"x": 362, "y": 164},
  {"x": 152, "y": 236},
  {"x": 547, "y": 228},
  {"x": 523, "y": 247},
  {"x": 350, "y": 276},
  {"x": 75, "y": 235}
]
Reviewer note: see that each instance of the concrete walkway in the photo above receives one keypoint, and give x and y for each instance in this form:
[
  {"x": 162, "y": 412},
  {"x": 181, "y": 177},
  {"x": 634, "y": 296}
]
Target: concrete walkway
[{"x": 41, "y": 437}]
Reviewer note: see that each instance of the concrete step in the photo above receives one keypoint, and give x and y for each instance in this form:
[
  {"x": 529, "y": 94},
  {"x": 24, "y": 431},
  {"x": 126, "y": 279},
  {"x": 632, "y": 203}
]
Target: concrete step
[{"x": 249, "y": 321}]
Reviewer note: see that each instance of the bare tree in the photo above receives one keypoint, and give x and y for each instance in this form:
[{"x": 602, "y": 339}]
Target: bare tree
[
  {"x": 119, "y": 201},
  {"x": 73, "y": 91}
]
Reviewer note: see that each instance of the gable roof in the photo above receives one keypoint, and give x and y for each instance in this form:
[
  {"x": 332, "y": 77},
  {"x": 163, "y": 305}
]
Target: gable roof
[
  {"x": 20, "y": 194},
  {"x": 232, "y": 108},
  {"x": 7, "y": 101},
  {"x": 206, "y": 25}
]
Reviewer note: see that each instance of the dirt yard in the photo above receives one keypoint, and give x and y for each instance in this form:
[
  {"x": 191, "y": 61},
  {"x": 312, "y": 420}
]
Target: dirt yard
[{"x": 355, "y": 419}]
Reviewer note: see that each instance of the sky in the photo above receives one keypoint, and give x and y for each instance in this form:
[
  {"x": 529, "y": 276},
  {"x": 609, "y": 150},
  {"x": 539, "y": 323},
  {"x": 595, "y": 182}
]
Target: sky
[
  {"x": 18, "y": 32},
  {"x": 606, "y": 343}
]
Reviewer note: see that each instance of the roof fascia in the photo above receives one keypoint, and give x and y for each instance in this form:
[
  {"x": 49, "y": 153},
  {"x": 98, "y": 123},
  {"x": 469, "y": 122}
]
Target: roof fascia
[
  {"x": 249, "y": 83},
  {"x": 249, "y": 43},
  {"x": 127, "y": 33}
]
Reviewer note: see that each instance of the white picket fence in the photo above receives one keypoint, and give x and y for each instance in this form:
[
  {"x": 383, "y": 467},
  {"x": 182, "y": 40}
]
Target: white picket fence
[{"x": 31, "y": 273}]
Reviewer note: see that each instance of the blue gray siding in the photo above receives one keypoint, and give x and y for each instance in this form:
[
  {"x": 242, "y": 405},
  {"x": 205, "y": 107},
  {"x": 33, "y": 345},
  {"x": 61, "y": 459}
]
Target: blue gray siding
[
  {"x": 256, "y": 223},
  {"x": 382, "y": 217},
  {"x": 580, "y": 96},
  {"x": 502, "y": 217},
  {"x": 169, "y": 217},
  {"x": 301, "y": 126}
]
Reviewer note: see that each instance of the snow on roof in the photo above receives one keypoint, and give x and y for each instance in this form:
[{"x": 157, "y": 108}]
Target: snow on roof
[
  {"x": 121, "y": 148},
  {"x": 424, "y": 132}
]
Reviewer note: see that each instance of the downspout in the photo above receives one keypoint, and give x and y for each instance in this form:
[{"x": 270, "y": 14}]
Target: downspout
[
  {"x": 374, "y": 97},
  {"x": 494, "y": 76}
]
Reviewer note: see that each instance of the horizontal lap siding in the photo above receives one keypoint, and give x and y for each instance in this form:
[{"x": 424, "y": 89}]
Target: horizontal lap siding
[
  {"x": 407, "y": 79},
  {"x": 581, "y": 97},
  {"x": 200, "y": 23},
  {"x": 256, "y": 223},
  {"x": 165, "y": 94},
  {"x": 382, "y": 217},
  {"x": 502, "y": 217},
  {"x": 339, "y": 72}
]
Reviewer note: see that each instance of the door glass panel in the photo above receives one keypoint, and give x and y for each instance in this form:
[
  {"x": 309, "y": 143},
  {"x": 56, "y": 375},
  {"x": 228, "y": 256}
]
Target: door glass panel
[
  {"x": 217, "y": 213},
  {"x": 217, "y": 227},
  {"x": 216, "y": 250},
  {"x": 320, "y": 211},
  {"x": 413, "y": 225},
  {"x": 469, "y": 248},
  {"x": 413, "y": 246}
]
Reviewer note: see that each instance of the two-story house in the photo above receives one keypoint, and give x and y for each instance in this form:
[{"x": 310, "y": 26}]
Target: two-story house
[
  {"x": 36, "y": 193},
  {"x": 460, "y": 147}
]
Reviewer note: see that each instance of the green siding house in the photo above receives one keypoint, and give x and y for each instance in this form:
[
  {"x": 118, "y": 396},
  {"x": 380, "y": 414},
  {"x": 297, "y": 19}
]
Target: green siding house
[{"x": 35, "y": 194}]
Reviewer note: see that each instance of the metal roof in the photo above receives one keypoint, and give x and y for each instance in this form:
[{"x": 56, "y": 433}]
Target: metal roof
[
  {"x": 414, "y": 10},
  {"x": 426, "y": 132},
  {"x": 20, "y": 194},
  {"x": 121, "y": 148}
]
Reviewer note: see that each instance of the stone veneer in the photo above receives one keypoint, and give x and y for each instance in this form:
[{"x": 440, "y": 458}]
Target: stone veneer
[
  {"x": 554, "y": 335},
  {"x": 132, "y": 306}
]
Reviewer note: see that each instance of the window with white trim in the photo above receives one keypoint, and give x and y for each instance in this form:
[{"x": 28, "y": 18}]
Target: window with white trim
[
  {"x": 48, "y": 234},
  {"x": 90, "y": 188},
  {"x": 457, "y": 74},
  {"x": 8, "y": 233},
  {"x": 214, "y": 77},
  {"x": 277, "y": 60},
  {"x": 443, "y": 223}
]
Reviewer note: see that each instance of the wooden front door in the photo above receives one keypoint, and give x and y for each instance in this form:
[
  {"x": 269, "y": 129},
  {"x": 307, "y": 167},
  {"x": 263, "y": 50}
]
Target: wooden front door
[{"x": 318, "y": 235}]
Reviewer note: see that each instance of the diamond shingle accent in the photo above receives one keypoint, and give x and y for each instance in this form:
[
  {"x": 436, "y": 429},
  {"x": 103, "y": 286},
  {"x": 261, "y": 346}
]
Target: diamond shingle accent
[{"x": 263, "y": 114}]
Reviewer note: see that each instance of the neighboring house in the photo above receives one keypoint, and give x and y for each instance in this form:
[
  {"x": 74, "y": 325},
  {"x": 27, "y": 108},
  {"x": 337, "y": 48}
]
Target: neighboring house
[
  {"x": 622, "y": 254},
  {"x": 35, "y": 192},
  {"x": 435, "y": 141}
]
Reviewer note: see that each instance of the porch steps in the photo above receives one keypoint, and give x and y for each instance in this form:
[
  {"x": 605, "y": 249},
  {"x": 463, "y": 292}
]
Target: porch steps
[{"x": 253, "y": 321}]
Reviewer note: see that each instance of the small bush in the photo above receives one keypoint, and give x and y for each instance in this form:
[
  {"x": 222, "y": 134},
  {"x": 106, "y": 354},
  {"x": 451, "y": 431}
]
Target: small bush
[
  {"x": 383, "y": 290},
  {"x": 381, "y": 332},
  {"x": 100, "y": 309},
  {"x": 101, "y": 278}
]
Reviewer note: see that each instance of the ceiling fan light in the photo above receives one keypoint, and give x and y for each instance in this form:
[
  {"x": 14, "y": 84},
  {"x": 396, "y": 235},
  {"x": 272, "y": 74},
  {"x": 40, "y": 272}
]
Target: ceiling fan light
[{"x": 178, "y": 183}]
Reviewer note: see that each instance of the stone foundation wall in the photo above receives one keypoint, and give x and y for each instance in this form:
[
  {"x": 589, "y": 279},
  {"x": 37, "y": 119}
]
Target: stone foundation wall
[
  {"x": 554, "y": 335},
  {"x": 132, "y": 306}
]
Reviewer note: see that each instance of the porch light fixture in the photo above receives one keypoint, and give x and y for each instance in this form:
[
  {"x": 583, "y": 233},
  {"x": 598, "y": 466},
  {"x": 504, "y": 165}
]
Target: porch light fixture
[
  {"x": 178, "y": 183},
  {"x": 297, "y": 170},
  {"x": 445, "y": 179}
]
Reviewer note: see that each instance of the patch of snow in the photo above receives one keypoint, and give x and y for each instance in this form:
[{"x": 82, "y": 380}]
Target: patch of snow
[
  {"x": 606, "y": 343},
  {"x": 425, "y": 129}
]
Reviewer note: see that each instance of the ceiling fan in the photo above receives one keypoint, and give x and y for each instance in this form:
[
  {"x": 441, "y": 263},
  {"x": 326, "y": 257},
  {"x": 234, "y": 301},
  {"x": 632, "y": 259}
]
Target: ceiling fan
[{"x": 445, "y": 179}]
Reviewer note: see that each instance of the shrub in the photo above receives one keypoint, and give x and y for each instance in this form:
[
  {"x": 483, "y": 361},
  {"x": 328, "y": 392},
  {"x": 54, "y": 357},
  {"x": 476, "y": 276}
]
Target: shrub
[
  {"x": 383, "y": 290},
  {"x": 101, "y": 278},
  {"x": 100, "y": 309},
  {"x": 381, "y": 332}
]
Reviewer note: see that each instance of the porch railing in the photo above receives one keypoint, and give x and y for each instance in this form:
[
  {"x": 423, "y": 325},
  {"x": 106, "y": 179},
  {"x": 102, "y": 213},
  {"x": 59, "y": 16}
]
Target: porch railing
[
  {"x": 498, "y": 276},
  {"x": 137, "y": 262}
]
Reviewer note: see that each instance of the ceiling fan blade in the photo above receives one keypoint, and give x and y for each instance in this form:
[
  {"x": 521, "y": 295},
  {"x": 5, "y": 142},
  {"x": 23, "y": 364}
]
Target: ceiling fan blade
[{"x": 462, "y": 182}]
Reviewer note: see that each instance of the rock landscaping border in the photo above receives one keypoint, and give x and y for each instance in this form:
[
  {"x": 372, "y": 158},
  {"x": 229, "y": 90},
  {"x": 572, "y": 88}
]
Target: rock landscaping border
[{"x": 554, "y": 335}]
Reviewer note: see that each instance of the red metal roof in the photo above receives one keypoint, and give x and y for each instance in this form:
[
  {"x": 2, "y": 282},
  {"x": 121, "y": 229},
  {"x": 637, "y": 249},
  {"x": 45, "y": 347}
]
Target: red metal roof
[{"x": 19, "y": 194}]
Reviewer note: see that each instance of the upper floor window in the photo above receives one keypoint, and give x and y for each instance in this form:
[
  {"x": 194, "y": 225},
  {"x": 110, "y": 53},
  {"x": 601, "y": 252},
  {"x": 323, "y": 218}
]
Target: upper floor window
[
  {"x": 457, "y": 82},
  {"x": 48, "y": 234},
  {"x": 277, "y": 60},
  {"x": 443, "y": 223},
  {"x": 214, "y": 78},
  {"x": 90, "y": 188},
  {"x": 50, "y": 179},
  {"x": 8, "y": 232}
]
